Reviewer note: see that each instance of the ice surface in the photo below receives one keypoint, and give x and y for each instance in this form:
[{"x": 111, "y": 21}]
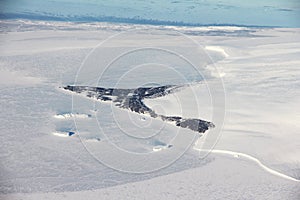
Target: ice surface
[
  {"x": 261, "y": 80},
  {"x": 167, "y": 12}
]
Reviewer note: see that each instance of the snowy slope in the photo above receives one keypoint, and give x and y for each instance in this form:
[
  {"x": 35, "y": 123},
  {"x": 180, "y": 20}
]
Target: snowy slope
[{"x": 260, "y": 73}]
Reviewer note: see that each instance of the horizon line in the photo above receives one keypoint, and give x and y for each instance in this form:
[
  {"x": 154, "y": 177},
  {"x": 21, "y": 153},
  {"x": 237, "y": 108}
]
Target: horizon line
[{"x": 112, "y": 19}]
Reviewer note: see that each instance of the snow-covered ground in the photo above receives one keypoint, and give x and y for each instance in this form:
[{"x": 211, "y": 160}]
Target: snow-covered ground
[{"x": 43, "y": 153}]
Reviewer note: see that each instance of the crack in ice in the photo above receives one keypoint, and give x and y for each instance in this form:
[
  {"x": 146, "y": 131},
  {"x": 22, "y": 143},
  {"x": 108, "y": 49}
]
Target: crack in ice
[{"x": 258, "y": 162}]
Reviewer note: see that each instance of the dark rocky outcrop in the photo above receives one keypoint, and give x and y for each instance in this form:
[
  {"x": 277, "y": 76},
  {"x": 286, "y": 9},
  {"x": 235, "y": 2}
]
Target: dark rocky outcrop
[{"x": 132, "y": 99}]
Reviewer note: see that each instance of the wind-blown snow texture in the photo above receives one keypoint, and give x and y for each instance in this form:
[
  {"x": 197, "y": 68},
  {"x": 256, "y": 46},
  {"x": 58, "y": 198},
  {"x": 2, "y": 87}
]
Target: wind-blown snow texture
[{"x": 260, "y": 71}]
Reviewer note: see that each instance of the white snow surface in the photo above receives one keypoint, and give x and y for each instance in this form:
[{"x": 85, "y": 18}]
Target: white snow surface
[
  {"x": 256, "y": 156},
  {"x": 71, "y": 115}
]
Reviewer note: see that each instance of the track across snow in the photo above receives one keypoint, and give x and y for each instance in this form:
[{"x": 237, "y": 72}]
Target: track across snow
[{"x": 251, "y": 158}]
